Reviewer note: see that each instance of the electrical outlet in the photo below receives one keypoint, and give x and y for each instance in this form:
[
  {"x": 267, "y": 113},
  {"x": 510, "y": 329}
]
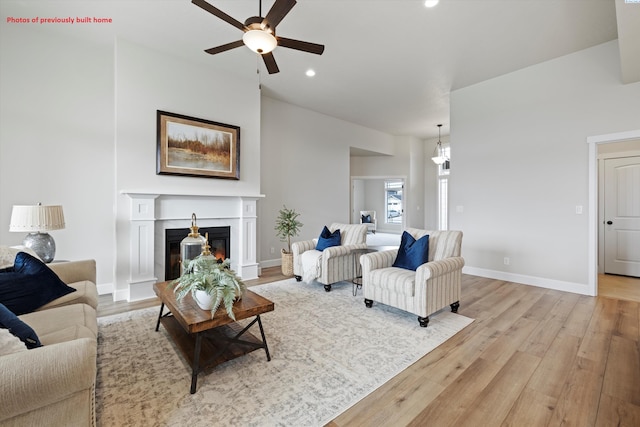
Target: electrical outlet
[
  {"x": 273, "y": 250},
  {"x": 507, "y": 261}
]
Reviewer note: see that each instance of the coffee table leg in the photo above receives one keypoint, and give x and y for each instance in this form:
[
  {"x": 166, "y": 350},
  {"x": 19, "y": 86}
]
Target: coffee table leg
[
  {"x": 264, "y": 339},
  {"x": 159, "y": 317},
  {"x": 196, "y": 361}
]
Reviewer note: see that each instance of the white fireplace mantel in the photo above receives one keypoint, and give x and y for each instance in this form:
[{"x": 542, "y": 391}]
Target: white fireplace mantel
[{"x": 152, "y": 212}]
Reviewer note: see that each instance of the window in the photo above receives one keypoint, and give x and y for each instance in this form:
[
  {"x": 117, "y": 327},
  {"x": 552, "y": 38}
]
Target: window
[
  {"x": 443, "y": 169},
  {"x": 393, "y": 197},
  {"x": 443, "y": 192},
  {"x": 443, "y": 203}
]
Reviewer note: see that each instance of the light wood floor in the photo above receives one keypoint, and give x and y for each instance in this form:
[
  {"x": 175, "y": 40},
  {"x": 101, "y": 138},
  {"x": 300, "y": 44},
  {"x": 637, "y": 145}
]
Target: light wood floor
[
  {"x": 533, "y": 357},
  {"x": 621, "y": 287}
]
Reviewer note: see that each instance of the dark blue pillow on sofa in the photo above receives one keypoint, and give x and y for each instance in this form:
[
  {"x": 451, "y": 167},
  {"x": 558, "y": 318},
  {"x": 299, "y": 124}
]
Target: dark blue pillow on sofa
[
  {"x": 30, "y": 285},
  {"x": 328, "y": 239},
  {"x": 366, "y": 219},
  {"x": 18, "y": 328},
  {"x": 412, "y": 253}
]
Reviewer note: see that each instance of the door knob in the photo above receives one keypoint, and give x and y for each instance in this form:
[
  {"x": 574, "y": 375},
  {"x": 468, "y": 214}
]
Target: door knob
[{"x": 609, "y": 222}]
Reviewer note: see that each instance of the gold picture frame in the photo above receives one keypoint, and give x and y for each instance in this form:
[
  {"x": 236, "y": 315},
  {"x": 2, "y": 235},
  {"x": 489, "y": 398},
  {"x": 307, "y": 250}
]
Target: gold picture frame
[{"x": 189, "y": 146}]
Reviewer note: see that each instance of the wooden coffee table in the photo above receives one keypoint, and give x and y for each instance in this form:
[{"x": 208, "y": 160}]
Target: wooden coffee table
[{"x": 204, "y": 341}]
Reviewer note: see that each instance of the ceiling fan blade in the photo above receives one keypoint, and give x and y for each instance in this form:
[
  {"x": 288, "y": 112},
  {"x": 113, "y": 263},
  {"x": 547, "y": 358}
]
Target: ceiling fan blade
[
  {"x": 278, "y": 11},
  {"x": 270, "y": 62},
  {"x": 220, "y": 14},
  {"x": 300, "y": 45},
  {"x": 224, "y": 47}
]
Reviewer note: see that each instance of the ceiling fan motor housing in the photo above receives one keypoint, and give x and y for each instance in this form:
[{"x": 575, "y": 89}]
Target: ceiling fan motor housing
[{"x": 257, "y": 23}]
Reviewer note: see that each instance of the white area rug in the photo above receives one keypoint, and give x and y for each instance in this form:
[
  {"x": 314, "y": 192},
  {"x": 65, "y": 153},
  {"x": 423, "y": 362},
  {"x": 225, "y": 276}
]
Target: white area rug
[{"x": 328, "y": 351}]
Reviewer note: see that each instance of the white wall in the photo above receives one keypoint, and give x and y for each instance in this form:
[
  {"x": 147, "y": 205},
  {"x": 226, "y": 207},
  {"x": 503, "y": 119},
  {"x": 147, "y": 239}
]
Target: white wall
[
  {"x": 79, "y": 128},
  {"x": 521, "y": 164},
  {"x": 411, "y": 161},
  {"x": 431, "y": 202},
  {"x": 305, "y": 166},
  {"x": 415, "y": 186},
  {"x": 359, "y": 200},
  {"x": 147, "y": 81},
  {"x": 56, "y": 138}
]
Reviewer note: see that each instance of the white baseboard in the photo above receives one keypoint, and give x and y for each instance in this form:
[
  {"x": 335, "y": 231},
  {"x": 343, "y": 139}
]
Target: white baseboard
[
  {"x": 271, "y": 263},
  {"x": 121, "y": 295},
  {"x": 541, "y": 282},
  {"x": 105, "y": 288}
]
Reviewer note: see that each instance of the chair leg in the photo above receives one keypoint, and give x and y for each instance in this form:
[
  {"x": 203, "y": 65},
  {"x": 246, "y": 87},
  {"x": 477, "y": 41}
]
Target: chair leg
[
  {"x": 327, "y": 288},
  {"x": 424, "y": 321},
  {"x": 298, "y": 278},
  {"x": 454, "y": 307},
  {"x": 368, "y": 303}
]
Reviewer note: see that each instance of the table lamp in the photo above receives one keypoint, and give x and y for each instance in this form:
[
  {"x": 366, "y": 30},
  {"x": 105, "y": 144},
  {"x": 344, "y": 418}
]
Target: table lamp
[{"x": 37, "y": 220}]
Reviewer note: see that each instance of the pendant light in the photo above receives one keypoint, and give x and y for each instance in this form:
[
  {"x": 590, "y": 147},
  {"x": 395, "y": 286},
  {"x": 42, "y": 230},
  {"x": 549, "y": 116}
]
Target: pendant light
[{"x": 439, "y": 156}]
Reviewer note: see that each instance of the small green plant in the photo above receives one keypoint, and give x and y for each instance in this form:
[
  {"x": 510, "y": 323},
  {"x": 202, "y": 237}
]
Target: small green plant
[
  {"x": 287, "y": 225},
  {"x": 214, "y": 278}
]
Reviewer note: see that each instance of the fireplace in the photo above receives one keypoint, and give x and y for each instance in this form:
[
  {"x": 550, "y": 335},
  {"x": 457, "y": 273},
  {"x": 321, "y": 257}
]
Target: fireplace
[
  {"x": 219, "y": 240},
  {"x": 151, "y": 213}
]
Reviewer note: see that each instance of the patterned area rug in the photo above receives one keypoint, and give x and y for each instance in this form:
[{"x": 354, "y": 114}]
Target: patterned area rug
[{"x": 328, "y": 351}]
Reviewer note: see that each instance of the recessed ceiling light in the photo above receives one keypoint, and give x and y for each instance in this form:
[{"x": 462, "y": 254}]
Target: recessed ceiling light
[
  {"x": 310, "y": 73},
  {"x": 430, "y": 3}
]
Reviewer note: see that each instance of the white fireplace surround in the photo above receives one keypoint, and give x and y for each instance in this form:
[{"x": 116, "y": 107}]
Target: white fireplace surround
[{"x": 152, "y": 213}]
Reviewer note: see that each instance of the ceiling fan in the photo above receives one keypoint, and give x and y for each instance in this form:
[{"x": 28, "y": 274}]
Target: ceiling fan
[{"x": 260, "y": 32}]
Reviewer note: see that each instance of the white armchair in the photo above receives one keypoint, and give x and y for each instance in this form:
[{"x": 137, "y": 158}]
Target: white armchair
[
  {"x": 433, "y": 285},
  {"x": 371, "y": 215},
  {"x": 334, "y": 264}
]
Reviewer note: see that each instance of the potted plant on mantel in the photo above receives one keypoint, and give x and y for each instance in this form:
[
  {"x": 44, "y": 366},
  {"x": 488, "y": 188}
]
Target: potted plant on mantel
[
  {"x": 210, "y": 283},
  {"x": 287, "y": 226}
]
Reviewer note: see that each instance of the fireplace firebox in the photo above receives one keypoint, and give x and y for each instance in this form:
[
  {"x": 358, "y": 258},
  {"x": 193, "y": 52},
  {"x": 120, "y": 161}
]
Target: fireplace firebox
[{"x": 219, "y": 240}]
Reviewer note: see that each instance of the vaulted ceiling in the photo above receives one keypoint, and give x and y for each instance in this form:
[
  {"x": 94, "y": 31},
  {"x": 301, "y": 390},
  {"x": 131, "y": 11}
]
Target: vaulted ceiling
[{"x": 388, "y": 64}]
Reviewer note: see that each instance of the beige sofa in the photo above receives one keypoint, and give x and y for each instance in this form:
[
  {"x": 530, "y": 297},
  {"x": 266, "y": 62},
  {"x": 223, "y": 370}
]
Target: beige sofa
[{"x": 54, "y": 385}]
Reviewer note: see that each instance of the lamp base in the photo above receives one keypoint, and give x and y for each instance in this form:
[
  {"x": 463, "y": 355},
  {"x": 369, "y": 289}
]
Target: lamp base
[{"x": 42, "y": 244}]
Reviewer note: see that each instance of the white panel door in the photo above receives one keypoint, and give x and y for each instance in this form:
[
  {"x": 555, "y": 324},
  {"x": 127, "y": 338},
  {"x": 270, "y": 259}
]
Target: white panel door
[{"x": 622, "y": 216}]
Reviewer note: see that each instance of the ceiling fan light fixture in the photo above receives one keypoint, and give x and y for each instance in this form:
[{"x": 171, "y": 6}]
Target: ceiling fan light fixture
[{"x": 259, "y": 41}]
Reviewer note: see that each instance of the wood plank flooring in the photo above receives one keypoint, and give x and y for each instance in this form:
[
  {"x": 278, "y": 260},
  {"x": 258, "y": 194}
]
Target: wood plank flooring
[
  {"x": 621, "y": 287},
  {"x": 533, "y": 357}
]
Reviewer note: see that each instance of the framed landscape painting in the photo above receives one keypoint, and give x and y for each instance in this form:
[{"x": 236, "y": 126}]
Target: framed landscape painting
[{"x": 196, "y": 147}]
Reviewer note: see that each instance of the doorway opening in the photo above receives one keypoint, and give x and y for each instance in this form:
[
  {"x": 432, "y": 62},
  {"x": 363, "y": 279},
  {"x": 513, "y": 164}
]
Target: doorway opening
[
  {"x": 595, "y": 261},
  {"x": 385, "y": 196}
]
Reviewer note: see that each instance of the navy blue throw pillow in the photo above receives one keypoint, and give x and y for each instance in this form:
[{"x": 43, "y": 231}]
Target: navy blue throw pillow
[
  {"x": 412, "y": 253},
  {"x": 328, "y": 239},
  {"x": 366, "y": 219},
  {"x": 18, "y": 328},
  {"x": 30, "y": 285}
]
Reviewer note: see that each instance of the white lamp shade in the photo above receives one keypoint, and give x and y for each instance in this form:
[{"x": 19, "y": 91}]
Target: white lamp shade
[
  {"x": 36, "y": 218},
  {"x": 259, "y": 41}
]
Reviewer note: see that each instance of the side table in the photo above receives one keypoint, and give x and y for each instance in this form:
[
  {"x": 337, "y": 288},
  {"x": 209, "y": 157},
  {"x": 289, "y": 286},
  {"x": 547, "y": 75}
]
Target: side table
[{"x": 357, "y": 268}]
